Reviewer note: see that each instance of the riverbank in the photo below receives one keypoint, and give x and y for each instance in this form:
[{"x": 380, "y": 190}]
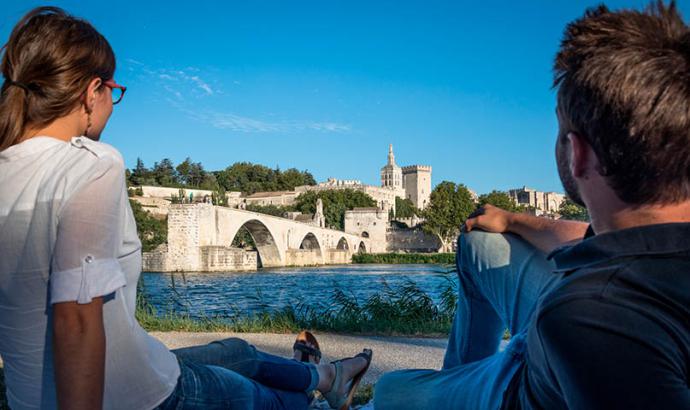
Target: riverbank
[{"x": 404, "y": 258}]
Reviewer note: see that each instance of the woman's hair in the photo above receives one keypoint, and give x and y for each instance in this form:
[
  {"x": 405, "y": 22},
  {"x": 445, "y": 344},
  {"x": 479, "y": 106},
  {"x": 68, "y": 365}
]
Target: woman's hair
[{"x": 47, "y": 64}]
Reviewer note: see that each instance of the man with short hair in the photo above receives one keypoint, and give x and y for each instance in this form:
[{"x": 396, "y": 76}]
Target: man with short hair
[{"x": 601, "y": 322}]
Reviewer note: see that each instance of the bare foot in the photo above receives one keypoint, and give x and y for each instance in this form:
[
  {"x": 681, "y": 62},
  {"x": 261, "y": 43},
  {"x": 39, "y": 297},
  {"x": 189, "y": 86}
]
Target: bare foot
[{"x": 350, "y": 368}]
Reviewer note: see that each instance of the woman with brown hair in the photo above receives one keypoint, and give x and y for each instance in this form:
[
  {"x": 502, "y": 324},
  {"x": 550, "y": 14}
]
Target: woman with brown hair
[{"x": 70, "y": 257}]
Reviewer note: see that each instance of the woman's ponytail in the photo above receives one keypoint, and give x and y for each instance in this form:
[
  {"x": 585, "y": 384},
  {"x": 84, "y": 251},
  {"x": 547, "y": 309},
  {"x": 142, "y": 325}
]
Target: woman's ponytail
[{"x": 47, "y": 64}]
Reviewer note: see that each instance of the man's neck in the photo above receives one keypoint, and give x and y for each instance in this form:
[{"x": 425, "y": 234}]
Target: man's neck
[{"x": 622, "y": 217}]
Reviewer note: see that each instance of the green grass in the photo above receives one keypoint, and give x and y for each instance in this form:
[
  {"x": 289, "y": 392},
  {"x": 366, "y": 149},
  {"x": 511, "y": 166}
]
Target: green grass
[
  {"x": 363, "y": 395},
  {"x": 403, "y": 310},
  {"x": 405, "y": 258}
]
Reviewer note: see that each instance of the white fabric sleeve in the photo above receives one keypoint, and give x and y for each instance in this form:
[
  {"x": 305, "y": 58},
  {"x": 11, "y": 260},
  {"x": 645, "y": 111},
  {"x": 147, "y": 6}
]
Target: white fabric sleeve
[{"x": 89, "y": 233}]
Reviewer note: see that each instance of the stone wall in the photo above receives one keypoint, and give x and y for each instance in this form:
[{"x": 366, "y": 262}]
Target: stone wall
[
  {"x": 183, "y": 238},
  {"x": 303, "y": 257},
  {"x": 155, "y": 261},
  {"x": 544, "y": 202},
  {"x": 338, "y": 257},
  {"x": 225, "y": 258},
  {"x": 368, "y": 223},
  {"x": 198, "y": 194},
  {"x": 417, "y": 183},
  {"x": 411, "y": 240}
]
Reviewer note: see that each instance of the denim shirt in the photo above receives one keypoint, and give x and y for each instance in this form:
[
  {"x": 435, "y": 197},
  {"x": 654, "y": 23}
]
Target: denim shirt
[{"x": 615, "y": 333}]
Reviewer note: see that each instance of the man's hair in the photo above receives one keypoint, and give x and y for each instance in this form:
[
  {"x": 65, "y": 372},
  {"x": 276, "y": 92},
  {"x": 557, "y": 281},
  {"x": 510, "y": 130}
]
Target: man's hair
[{"x": 623, "y": 82}]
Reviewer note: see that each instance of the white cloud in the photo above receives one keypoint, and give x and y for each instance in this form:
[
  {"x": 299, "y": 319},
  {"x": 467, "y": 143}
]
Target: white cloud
[
  {"x": 179, "y": 85},
  {"x": 234, "y": 122},
  {"x": 201, "y": 84}
]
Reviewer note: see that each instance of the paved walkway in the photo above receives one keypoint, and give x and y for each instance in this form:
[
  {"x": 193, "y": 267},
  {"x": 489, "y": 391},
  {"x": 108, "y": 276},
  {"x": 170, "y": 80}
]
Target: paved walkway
[{"x": 390, "y": 353}]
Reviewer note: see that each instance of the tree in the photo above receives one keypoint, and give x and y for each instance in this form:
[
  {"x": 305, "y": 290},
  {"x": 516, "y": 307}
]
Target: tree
[
  {"x": 210, "y": 183},
  {"x": 183, "y": 170},
  {"x": 404, "y": 208},
  {"x": 501, "y": 200},
  {"x": 449, "y": 206},
  {"x": 141, "y": 175},
  {"x": 571, "y": 210},
  {"x": 152, "y": 231},
  {"x": 218, "y": 197},
  {"x": 275, "y": 210},
  {"x": 335, "y": 203},
  {"x": 250, "y": 178},
  {"x": 291, "y": 178},
  {"x": 164, "y": 173}
]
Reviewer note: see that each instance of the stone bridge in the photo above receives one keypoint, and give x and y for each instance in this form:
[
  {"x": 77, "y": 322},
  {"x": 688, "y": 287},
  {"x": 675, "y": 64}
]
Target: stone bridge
[{"x": 200, "y": 235}]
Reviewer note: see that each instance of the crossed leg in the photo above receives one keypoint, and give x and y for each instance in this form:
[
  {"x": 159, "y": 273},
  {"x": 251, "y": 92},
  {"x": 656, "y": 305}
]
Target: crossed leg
[
  {"x": 500, "y": 280},
  {"x": 231, "y": 373}
]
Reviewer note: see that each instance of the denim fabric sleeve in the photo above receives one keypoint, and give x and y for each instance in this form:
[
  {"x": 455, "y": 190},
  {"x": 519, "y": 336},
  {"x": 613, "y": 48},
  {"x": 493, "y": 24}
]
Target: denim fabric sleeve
[
  {"x": 89, "y": 233},
  {"x": 603, "y": 355}
]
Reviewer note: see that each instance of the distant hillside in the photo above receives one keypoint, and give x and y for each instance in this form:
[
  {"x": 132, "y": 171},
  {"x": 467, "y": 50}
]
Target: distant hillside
[{"x": 241, "y": 176}]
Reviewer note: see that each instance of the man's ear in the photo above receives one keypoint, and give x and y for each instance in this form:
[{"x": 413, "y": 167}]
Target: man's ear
[
  {"x": 582, "y": 157},
  {"x": 91, "y": 94}
]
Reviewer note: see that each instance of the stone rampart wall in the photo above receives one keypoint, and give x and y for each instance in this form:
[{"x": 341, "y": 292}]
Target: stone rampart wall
[
  {"x": 183, "y": 238},
  {"x": 338, "y": 257},
  {"x": 303, "y": 257},
  {"x": 155, "y": 261},
  {"x": 411, "y": 240},
  {"x": 225, "y": 258}
]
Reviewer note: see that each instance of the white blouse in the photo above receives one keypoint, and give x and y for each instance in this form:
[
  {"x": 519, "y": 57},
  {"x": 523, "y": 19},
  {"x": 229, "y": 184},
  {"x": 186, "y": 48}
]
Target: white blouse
[{"x": 67, "y": 233}]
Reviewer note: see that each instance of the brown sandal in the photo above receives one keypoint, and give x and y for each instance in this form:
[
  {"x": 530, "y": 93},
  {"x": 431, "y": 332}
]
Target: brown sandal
[
  {"x": 307, "y": 344},
  {"x": 343, "y": 402}
]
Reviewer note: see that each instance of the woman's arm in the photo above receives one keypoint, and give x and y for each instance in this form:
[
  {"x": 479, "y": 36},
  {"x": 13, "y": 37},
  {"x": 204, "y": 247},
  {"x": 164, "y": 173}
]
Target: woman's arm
[{"x": 79, "y": 354}]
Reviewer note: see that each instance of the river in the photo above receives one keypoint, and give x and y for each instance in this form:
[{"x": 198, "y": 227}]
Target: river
[{"x": 232, "y": 293}]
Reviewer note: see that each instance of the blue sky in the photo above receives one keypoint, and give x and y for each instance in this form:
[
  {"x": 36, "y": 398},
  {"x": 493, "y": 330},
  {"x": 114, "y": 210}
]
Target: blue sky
[{"x": 327, "y": 85}]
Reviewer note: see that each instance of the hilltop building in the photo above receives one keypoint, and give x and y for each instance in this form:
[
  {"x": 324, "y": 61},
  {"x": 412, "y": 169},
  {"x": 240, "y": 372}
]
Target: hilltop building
[
  {"x": 411, "y": 182},
  {"x": 542, "y": 202}
]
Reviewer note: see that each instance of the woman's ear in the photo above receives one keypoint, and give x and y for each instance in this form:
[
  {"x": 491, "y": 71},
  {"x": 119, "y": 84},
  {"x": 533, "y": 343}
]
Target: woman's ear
[{"x": 91, "y": 94}]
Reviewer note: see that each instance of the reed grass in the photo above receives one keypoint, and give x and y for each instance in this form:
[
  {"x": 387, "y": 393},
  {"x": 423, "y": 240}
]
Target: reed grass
[
  {"x": 405, "y": 258},
  {"x": 403, "y": 310}
]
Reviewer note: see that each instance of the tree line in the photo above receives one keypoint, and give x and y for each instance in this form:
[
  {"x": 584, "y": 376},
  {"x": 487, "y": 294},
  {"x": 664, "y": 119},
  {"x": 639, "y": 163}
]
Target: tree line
[
  {"x": 451, "y": 204},
  {"x": 242, "y": 177}
]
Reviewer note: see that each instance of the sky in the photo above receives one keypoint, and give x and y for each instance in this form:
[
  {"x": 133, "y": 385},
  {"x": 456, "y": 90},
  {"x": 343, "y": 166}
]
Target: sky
[{"x": 325, "y": 86}]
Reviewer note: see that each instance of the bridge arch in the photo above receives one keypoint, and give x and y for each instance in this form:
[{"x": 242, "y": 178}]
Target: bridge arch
[
  {"x": 343, "y": 245},
  {"x": 310, "y": 242},
  {"x": 265, "y": 242}
]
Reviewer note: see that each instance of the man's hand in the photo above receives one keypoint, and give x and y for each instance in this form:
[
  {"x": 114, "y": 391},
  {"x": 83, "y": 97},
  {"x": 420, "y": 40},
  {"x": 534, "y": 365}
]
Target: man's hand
[
  {"x": 542, "y": 233},
  {"x": 489, "y": 218}
]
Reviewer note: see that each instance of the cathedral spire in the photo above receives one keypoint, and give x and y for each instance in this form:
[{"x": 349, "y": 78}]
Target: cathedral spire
[{"x": 391, "y": 156}]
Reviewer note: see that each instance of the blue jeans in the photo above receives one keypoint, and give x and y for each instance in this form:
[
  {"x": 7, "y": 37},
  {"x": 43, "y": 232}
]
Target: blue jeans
[
  {"x": 500, "y": 280},
  {"x": 232, "y": 374}
]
